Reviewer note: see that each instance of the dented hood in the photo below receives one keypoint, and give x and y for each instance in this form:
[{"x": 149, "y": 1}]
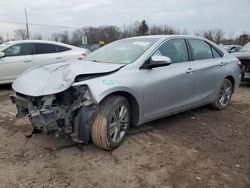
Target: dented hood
[{"x": 57, "y": 77}]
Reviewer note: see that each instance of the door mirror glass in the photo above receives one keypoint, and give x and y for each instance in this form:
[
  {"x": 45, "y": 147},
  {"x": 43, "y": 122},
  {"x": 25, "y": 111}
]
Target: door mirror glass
[{"x": 2, "y": 54}]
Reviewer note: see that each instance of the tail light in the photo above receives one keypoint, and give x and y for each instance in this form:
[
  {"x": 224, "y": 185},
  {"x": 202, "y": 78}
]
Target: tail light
[
  {"x": 238, "y": 63},
  {"x": 84, "y": 54}
]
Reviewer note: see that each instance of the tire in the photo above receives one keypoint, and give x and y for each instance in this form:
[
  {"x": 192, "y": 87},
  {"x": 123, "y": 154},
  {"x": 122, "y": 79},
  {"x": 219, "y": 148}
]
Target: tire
[
  {"x": 223, "y": 96},
  {"x": 111, "y": 123}
]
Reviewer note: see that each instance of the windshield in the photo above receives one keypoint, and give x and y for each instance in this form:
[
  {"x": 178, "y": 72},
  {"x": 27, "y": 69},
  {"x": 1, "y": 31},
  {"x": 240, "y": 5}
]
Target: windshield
[
  {"x": 246, "y": 47},
  {"x": 4, "y": 44},
  {"x": 123, "y": 51}
]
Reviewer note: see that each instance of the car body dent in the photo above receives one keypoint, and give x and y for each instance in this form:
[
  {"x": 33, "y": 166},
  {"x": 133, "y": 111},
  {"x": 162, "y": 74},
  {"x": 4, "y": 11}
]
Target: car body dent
[
  {"x": 54, "y": 78},
  {"x": 103, "y": 86}
]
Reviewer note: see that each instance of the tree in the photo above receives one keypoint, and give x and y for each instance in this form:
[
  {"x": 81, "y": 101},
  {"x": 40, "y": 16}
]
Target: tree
[
  {"x": 243, "y": 39},
  {"x": 20, "y": 34},
  {"x": 215, "y": 35},
  {"x": 76, "y": 38},
  {"x": 1, "y": 39},
  {"x": 65, "y": 37},
  {"x": 37, "y": 36},
  {"x": 61, "y": 37},
  {"x": 162, "y": 30},
  {"x": 130, "y": 30},
  {"x": 56, "y": 37},
  {"x": 143, "y": 28},
  {"x": 105, "y": 33}
]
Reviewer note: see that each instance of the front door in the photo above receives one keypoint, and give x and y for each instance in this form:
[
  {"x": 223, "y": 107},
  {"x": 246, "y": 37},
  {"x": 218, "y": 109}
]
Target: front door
[
  {"x": 18, "y": 58},
  {"x": 169, "y": 88}
]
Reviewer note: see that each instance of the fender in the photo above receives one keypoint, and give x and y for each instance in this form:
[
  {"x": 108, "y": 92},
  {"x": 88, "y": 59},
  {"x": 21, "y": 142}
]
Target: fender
[{"x": 82, "y": 124}]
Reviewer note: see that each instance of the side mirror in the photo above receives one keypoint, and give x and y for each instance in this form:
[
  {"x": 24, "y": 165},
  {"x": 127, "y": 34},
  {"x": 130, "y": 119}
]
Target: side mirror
[
  {"x": 2, "y": 54},
  {"x": 157, "y": 61},
  {"x": 232, "y": 50}
]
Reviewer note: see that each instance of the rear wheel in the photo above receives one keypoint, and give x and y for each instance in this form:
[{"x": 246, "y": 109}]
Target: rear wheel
[
  {"x": 223, "y": 97},
  {"x": 112, "y": 122}
]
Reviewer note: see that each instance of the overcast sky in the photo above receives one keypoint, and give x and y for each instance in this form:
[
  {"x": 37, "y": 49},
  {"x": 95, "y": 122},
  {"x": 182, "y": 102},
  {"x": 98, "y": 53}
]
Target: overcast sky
[{"x": 233, "y": 16}]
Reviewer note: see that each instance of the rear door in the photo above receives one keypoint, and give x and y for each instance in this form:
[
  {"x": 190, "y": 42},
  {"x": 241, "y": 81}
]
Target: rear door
[
  {"x": 46, "y": 53},
  {"x": 18, "y": 58},
  {"x": 169, "y": 88},
  {"x": 209, "y": 70}
]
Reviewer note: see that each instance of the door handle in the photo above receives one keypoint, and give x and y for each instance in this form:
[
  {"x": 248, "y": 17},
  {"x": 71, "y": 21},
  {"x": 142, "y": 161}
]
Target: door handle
[
  {"x": 27, "y": 61},
  {"x": 59, "y": 57},
  {"x": 190, "y": 70},
  {"x": 222, "y": 64}
]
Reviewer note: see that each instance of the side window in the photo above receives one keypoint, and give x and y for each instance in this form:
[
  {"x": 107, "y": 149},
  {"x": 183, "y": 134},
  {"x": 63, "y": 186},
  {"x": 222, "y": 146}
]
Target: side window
[
  {"x": 43, "y": 48},
  {"x": 200, "y": 49},
  {"x": 215, "y": 53},
  {"x": 175, "y": 49},
  {"x": 61, "y": 48},
  {"x": 19, "y": 49}
]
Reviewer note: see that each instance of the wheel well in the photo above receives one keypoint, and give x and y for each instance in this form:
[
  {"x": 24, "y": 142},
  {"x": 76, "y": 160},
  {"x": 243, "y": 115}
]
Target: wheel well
[
  {"x": 232, "y": 80},
  {"x": 132, "y": 103}
]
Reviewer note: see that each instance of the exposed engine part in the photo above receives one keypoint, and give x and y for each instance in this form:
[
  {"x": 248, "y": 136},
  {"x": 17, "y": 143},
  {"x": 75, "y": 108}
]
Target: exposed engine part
[{"x": 56, "y": 113}]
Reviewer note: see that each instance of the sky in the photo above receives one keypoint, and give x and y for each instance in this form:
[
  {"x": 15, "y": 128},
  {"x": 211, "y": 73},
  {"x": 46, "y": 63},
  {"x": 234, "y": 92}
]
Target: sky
[{"x": 233, "y": 16}]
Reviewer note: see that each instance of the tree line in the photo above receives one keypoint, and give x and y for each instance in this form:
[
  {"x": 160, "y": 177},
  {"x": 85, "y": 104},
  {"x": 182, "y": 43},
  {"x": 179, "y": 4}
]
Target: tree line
[{"x": 110, "y": 33}]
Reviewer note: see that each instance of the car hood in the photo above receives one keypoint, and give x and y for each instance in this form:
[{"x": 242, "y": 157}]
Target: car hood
[
  {"x": 242, "y": 54},
  {"x": 54, "y": 78}
]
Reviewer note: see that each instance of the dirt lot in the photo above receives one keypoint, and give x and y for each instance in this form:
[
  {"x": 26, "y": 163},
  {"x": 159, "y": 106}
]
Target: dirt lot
[{"x": 198, "y": 148}]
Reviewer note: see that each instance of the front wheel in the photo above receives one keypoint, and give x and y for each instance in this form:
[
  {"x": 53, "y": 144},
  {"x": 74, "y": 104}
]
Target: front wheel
[
  {"x": 223, "y": 97},
  {"x": 112, "y": 122}
]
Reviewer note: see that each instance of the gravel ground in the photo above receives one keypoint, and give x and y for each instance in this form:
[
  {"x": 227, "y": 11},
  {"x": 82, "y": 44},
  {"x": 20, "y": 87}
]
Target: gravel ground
[{"x": 198, "y": 148}]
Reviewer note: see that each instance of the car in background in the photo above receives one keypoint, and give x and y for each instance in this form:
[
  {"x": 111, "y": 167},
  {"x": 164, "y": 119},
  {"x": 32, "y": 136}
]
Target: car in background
[
  {"x": 18, "y": 56},
  {"x": 130, "y": 81},
  {"x": 93, "y": 47},
  {"x": 232, "y": 48},
  {"x": 244, "y": 56}
]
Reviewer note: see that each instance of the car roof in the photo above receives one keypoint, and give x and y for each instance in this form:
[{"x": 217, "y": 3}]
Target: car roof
[
  {"x": 41, "y": 41},
  {"x": 170, "y": 36}
]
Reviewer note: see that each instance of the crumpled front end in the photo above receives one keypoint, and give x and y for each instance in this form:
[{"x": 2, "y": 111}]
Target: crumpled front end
[
  {"x": 244, "y": 57},
  {"x": 57, "y": 112},
  {"x": 246, "y": 69}
]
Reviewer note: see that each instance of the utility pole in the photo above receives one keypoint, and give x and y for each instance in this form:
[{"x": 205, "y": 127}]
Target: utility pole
[
  {"x": 27, "y": 25},
  {"x": 84, "y": 38}
]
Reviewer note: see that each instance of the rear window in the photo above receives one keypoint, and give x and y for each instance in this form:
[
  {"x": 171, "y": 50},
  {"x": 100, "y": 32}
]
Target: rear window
[
  {"x": 62, "y": 48},
  {"x": 200, "y": 49},
  {"x": 43, "y": 48}
]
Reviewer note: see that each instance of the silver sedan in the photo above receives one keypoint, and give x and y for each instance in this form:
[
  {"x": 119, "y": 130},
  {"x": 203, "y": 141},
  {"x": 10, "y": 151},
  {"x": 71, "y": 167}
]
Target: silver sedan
[{"x": 128, "y": 82}]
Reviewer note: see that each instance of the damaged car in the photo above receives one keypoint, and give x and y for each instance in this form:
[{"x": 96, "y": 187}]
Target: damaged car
[
  {"x": 128, "y": 82},
  {"x": 244, "y": 56}
]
